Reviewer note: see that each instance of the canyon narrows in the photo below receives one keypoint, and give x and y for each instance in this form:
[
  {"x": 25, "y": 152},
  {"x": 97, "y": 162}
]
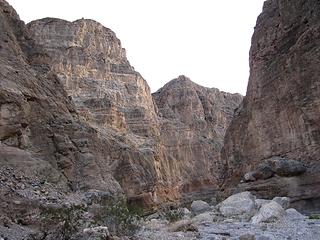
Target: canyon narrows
[{"x": 84, "y": 143}]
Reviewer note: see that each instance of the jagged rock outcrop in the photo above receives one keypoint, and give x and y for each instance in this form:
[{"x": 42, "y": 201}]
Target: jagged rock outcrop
[
  {"x": 280, "y": 114},
  {"x": 193, "y": 122}
]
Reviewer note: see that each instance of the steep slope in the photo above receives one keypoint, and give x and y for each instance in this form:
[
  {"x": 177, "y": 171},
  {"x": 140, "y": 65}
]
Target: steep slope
[
  {"x": 279, "y": 117},
  {"x": 193, "y": 123}
]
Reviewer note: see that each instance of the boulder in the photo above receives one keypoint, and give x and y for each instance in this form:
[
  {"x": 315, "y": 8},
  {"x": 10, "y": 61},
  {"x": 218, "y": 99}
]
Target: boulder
[
  {"x": 199, "y": 206},
  {"x": 263, "y": 171},
  {"x": 238, "y": 204},
  {"x": 156, "y": 224},
  {"x": 183, "y": 226},
  {"x": 286, "y": 167},
  {"x": 203, "y": 218},
  {"x": 249, "y": 177},
  {"x": 284, "y": 202},
  {"x": 269, "y": 212},
  {"x": 247, "y": 236},
  {"x": 101, "y": 232},
  {"x": 185, "y": 213},
  {"x": 261, "y": 202},
  {"x": 293, "y": 215}
]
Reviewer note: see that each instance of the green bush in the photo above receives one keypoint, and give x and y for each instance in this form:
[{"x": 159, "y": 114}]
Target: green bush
[
  {"x": 173, "y": 215},
  {"x": 314, "y": 217},
  {"x": 118, "y": 216},
  {"x": 67, "y": 218}
]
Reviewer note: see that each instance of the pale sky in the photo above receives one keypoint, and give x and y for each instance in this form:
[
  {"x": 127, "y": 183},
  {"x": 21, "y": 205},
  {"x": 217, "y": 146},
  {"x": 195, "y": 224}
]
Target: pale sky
[{"x": 206, "y": 40}]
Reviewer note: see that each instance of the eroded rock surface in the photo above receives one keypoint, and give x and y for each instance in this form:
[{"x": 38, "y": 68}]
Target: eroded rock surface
[{"x": 280, "y": 114}]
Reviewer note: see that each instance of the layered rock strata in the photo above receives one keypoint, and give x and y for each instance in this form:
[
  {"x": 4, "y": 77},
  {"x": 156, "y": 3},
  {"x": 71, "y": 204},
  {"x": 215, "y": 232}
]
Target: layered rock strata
[{"x": 280, "y": 114}]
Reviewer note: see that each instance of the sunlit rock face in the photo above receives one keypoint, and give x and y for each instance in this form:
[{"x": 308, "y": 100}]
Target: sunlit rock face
[{"x": 280, "y": 114}]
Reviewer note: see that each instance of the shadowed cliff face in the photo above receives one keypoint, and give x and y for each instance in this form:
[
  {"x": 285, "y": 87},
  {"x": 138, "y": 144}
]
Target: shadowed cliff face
[{"x": 281, "y": 112}]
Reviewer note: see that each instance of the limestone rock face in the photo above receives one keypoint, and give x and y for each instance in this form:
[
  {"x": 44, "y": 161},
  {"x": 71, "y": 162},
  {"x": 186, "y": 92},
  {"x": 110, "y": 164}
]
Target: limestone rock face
[
  {"x": 108, "y": 94},
  {"x": 280, "y": 114},
  {"x": 193, "y": 120}
]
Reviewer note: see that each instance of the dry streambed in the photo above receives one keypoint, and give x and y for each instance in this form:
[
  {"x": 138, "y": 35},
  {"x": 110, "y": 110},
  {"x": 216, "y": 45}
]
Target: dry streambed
[{"x": 241, "y": 216}]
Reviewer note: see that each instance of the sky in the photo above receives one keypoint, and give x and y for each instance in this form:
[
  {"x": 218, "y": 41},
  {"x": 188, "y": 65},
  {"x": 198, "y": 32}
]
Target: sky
[{"x": 206, "y": 40}]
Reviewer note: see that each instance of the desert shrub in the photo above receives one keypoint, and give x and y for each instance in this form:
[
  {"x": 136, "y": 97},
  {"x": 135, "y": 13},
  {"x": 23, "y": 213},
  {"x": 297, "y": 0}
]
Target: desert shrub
[
  {"x": 65, "y": 220},
  {"x": 314, "y": 216},
  {"x": 173, "y": 215},
  {"x": 120, "y": 218}
]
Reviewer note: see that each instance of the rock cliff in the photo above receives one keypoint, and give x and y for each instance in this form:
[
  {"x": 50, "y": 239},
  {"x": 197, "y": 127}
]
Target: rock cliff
[
  {"x": 90, "y": 62},
  {"x": 279, "y": 118},
  {"x": 45, "y": 136},
  {"x": 108, "y": 94},
  {"x": 80, "y": 130},
  {"x": 193, "y": 122},
  {"x": 83, "y": 119},
  {"x": 177, "y": 150}
]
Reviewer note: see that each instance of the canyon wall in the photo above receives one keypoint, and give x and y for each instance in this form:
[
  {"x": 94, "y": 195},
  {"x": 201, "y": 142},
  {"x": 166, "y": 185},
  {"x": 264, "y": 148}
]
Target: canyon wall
[
  {"x": 279, "y": 117},
  {"x": 179, "y": 154},
  {"x": 193, "y": 121},
  {"x": 73, "y": 106}
]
